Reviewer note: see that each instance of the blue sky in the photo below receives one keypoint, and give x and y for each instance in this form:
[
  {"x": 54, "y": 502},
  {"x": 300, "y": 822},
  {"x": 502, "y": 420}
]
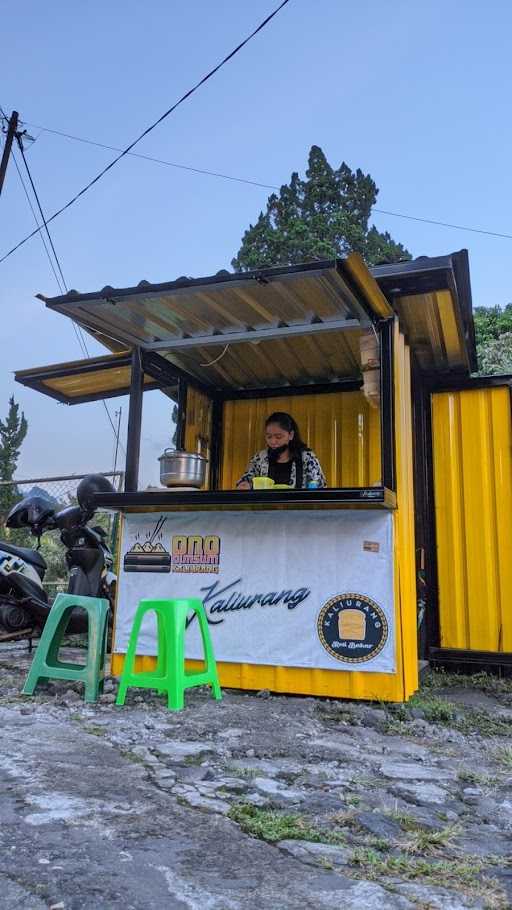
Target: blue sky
[{"x": 417, "y": 94}]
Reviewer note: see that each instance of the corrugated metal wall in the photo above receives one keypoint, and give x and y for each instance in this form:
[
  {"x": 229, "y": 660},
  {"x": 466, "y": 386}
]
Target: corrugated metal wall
[
  {"x": 198, "y": 427},
  {"x": 341, "y": 427},
  {"x": 472, "y": 444}
]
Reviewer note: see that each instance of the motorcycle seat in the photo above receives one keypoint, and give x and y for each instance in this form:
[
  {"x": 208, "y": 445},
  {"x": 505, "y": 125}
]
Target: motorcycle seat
[{"x": 30, "y": 556}]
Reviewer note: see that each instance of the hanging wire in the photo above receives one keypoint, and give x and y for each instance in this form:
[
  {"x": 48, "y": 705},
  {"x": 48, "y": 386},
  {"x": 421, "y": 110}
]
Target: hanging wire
[
  {"x": 118, "y": 415},
  {"x": 78, "y": 330},
  {"x": 258, "y": 183},
  {"x": 211, "y": 362},
  {"x": 152, "y": 126},
  {"x": 43, "y": 241}
]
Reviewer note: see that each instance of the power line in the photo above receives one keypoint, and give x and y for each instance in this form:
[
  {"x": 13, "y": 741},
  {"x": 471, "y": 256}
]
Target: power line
[
  {"x": 61, "y": 284},
  {"x": 61, "y": 287},
  {"x": 50, "y": 260},
  {"x": 183, "y": 167},
  {"x": 149, "y": 129},
  {"x": 457, "y": 227},
  {"x": 78, "y": 330},
  {"x": 36, "y": 197},
  {"x": 258, "y": 183}
]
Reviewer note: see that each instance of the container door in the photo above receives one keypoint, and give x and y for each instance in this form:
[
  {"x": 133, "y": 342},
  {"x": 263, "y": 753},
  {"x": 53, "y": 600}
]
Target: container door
[{"x": 472, "y": 468}]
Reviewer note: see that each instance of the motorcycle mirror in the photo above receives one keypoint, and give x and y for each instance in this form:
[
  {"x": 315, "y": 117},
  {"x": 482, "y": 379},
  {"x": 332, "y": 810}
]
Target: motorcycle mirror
[{"x": 30, "y": 512}]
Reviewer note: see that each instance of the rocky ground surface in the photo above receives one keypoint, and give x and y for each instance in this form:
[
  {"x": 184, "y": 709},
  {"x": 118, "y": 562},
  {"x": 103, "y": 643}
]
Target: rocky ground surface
[{"x": 259, "y": 802}]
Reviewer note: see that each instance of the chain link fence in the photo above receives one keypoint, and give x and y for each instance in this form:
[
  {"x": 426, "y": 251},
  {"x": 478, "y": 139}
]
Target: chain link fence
[{"x": 62, "y": 492}]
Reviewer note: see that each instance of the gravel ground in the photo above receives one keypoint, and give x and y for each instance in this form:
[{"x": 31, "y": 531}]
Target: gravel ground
[{"x": 257, "y": 801}]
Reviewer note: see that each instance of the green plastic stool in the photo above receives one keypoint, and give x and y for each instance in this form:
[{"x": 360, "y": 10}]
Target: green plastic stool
[
  {"x": 46, "y": 664},
  {"x": 169, "y": 674}
]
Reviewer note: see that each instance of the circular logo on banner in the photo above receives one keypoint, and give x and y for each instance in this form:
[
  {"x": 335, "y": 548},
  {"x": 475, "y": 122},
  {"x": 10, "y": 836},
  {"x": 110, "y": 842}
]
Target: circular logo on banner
[{"x": 352, "y": 628}]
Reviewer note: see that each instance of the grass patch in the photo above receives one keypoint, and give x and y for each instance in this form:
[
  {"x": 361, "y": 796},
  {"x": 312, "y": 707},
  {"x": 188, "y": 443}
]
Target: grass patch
[
  {"x": 466, "y": 776},
  {"x": 271, "y": 826},
  {"x": 442, "y": 872},
  {"x": 197, "y": 759},
  {"x": 377, "y": 843},
  {"x": 346, "y": 817},
  {"x": 436, "y": 710},
  {"x": 94, "y": 730},
  {"x": 132, "y": 756},
  {"x": 439, "y": 710},
  {"x": 503, "y": 756},
  {"x": 483, "y": 682},
  {"x": 477, "y": 720},
  {"x": 463, "y": 877},
  {"x": 406, "y": 821},
  {"x": 395, "y": 727},
  {"x": 429, "y": 842},
  {"x": 243, "y": 773},
  {"x": 337, "y": 712},
  {"x": 421, "y": 839}
]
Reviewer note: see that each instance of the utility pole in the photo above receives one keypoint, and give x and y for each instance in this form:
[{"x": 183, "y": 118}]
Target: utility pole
[{"x": 11, "y": 132}]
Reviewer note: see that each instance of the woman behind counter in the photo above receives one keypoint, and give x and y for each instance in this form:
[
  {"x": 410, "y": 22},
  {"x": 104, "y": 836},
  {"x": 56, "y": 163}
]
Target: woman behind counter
[{"x": 286, "y": 459}]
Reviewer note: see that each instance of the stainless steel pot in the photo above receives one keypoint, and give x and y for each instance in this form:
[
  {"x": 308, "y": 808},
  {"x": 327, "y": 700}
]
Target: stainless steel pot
[{"x": 182, "y": 469}]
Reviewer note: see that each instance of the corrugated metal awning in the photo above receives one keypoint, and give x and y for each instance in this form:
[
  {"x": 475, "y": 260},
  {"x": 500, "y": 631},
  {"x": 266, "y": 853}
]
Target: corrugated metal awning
[
  {"x": 84, "y": 380},
  {"x": 271, "y": 328},
  {"x": 279, "y": 327},
  {"x": 432, "y": 297}
]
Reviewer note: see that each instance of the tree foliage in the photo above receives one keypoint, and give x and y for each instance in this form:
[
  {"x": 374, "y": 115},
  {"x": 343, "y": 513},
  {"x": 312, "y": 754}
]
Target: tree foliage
[
  {"x": 493, "y": 330},
  {"x": 12, "y": 433},
  {"x": 322, "y": 217}
]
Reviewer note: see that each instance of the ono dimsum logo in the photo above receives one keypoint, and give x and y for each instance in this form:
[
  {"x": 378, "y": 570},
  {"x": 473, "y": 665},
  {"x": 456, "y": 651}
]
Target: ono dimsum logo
[
  {"x": 352, "y": 628},
  {"x": 193, "y": 553}
]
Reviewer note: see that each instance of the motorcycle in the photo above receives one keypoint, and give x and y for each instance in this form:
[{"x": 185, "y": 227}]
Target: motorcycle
[{"x": 24, "y": 604}]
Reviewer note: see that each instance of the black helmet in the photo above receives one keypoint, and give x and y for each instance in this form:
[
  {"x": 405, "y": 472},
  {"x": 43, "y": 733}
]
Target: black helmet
[{"x": 88, "y": 486}]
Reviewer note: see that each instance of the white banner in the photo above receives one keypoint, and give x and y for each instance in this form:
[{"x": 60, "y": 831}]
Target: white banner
[{"x": 296, "y": 589}]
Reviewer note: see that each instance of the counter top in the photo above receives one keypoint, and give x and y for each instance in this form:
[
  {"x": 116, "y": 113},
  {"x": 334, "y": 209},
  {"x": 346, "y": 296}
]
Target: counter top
[{"x": 225, "y": 500}]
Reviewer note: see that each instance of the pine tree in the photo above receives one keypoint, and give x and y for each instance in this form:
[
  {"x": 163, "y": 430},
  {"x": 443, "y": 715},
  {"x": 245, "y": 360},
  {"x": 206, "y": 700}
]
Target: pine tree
[
  {"x": 12, "y": 433},
  {"x": 324, "y": 216}
]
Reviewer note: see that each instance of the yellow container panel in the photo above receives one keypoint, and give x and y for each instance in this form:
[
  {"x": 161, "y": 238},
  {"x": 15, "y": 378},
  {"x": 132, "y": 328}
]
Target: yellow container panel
[
  {"x": 198, "y": 426},
  {"x": 331, "y": 683},
  {"x": 472, "y": 445},
  {"x": 341, "y": 427}
]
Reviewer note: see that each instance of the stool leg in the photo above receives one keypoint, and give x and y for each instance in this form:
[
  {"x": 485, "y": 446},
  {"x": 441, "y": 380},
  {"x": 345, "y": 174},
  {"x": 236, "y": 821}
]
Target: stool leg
[
  {"x": 161, "y": 660},
  {"x": 175, "y": 632},
  {"x": 104, "y": 653},
  {"x": 57, "y": 636},
  {"x": 96, "y": 654},
  {"x": 32, "y": 679},
  {"x": 129, "y": 659},
  {"x": 209, "y": 658},
  {"x": 48, "y": 647}
]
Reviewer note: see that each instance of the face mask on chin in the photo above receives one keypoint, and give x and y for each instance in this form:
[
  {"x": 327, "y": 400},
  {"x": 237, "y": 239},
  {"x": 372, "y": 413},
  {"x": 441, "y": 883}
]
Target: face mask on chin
[{"x": 274, "y": 454}]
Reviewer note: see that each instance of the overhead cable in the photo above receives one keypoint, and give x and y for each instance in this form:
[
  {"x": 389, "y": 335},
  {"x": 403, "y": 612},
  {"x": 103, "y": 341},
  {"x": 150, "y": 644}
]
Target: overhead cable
[
  {"x": 149, "y": 129},
  {"x": 77, "y": 329},
  {"x": 259, "y": 183}
]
